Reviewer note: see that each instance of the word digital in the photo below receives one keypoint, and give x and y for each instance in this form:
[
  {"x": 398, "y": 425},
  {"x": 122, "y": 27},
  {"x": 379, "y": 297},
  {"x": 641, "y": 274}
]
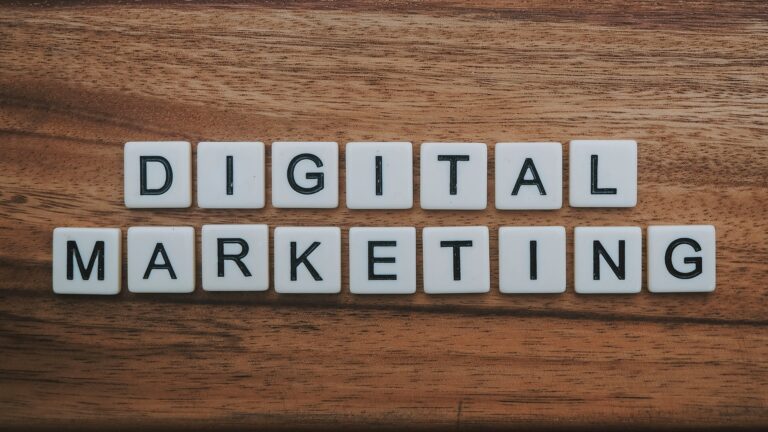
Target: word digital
[{"x": 382, "y": 260}]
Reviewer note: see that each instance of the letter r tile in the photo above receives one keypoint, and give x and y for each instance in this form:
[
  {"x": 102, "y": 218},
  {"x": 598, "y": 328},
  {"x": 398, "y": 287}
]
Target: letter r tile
[{"x": 235, "y": 257}]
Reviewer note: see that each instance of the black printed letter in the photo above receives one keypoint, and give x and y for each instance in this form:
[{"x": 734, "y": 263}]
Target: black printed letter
[
  {"x": 688, "y": 260},
  {"x": 456, "y": 245},
  {"x": 453, "y": 159},
  {"x": 236, "y": 258},
  {"x": 535, "y": 181},
  {"x": 373, "y": 260},
  {"x": 143, "y": 161},
  {"x": 295, "y": 262},
  {"x": 379, "y": 183},
  {"x": 230, "y": 176},
  {"x": 597, "y": 251},
  {"x": 310, "y": 176},
  {"x": 159, "y": 249},
  {"x": 595, "y": 189},
  {"x": 97, "y": 258}
]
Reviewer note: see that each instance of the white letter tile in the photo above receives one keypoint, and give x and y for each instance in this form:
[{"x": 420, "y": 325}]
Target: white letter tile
[
  {"x": 532, "y": 260},
  {"x": 454, "y": 176},
  {"x": 158, "y": 174},
  {"x": 307, "y": 260},
  {"x": 603, "y": 173},
  {"x": 382, "y": 260},
  {"x": 681, "y": 258},
  {"x": 161, "y": 259},
  {"x": 603, "y": 245},
  {"x": 305, "y": 174},
  {"x": 456, "y": 260},
  {"x": 86, "y": 261},
  {"x": 230, "y": 175},
  {"x": 529, "y": 176},
  {"x": 235, "y": 257},
  {"x": 379, "y": 175}
]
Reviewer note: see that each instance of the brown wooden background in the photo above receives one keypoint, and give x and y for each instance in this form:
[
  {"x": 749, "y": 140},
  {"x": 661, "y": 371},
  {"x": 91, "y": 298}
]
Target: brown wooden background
[{"x": 688, "y": 81}]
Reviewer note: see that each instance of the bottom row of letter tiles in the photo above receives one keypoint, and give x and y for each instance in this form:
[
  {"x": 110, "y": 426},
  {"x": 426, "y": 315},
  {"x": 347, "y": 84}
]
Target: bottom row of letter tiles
[{"x": 532, "y": 260}]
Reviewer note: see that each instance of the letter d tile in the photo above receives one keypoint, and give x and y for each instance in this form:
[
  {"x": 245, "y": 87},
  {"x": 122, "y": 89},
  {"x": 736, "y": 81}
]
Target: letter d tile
[{"x": 158, "y": 174}]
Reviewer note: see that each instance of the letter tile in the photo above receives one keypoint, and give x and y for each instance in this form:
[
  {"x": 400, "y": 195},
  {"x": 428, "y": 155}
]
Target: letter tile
[
  {"x": 230, "y": 175},
  {"x": 456, "y": 260},
  {"x": 608, "y": 260},
  {"x": 305, "y": 174},
  {"x": 532, "y": 260},
  {"x": 379, "y": 175},
  {"x": 603, "y": 173},
  {"x": 382, "y": 260},
  {"x": 161, "y": 259},
  {"x": 87, "y": 261},
  {"x": 529, "y": 176},
  {"x": 681, "y": 258},
  {"x": 454, "y": 176},
  {"x": 307, "y": 260},
  {"x": 235, "y": 257},
  {"x": 158, "y": 174}
]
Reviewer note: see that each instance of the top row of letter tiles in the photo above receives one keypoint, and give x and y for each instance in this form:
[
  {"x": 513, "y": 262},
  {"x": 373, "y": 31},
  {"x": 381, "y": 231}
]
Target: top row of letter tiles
[{"x": 529, "y": 176}]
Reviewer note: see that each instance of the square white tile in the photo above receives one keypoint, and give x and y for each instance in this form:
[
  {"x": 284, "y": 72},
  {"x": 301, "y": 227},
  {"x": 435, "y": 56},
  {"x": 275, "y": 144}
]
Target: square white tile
[
  {"x": 608, "y": 260},
  {"x": 161, "y": 259},
  {"x": 382, "y": 260},
  {"x": 681, "y": 258},
  {"x": 307, "y": 260},
  {"x": 529, "y": 176},
  {"x": 603, "y": 173},
  {"x": 235, "y": 257},
  {"x": 87, "y": 261},
  {"x": 532, "y": 260},
  {"x": 305, "y": 174},
  {"x": 230, "y": 175},
  {"x": 456, "y": 260},
  {"x": 379, "y": 175},
  {"x": 157, "y": 174},
  {"x": 454, "y": 176}
]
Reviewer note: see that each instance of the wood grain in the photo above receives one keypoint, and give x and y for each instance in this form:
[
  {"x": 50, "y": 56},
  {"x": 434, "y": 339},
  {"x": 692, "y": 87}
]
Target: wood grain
[{"x": 688, "y": 81}]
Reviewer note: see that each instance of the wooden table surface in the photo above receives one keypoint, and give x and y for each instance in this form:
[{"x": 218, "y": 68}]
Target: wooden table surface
[{"x": 688, "y": 81}]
